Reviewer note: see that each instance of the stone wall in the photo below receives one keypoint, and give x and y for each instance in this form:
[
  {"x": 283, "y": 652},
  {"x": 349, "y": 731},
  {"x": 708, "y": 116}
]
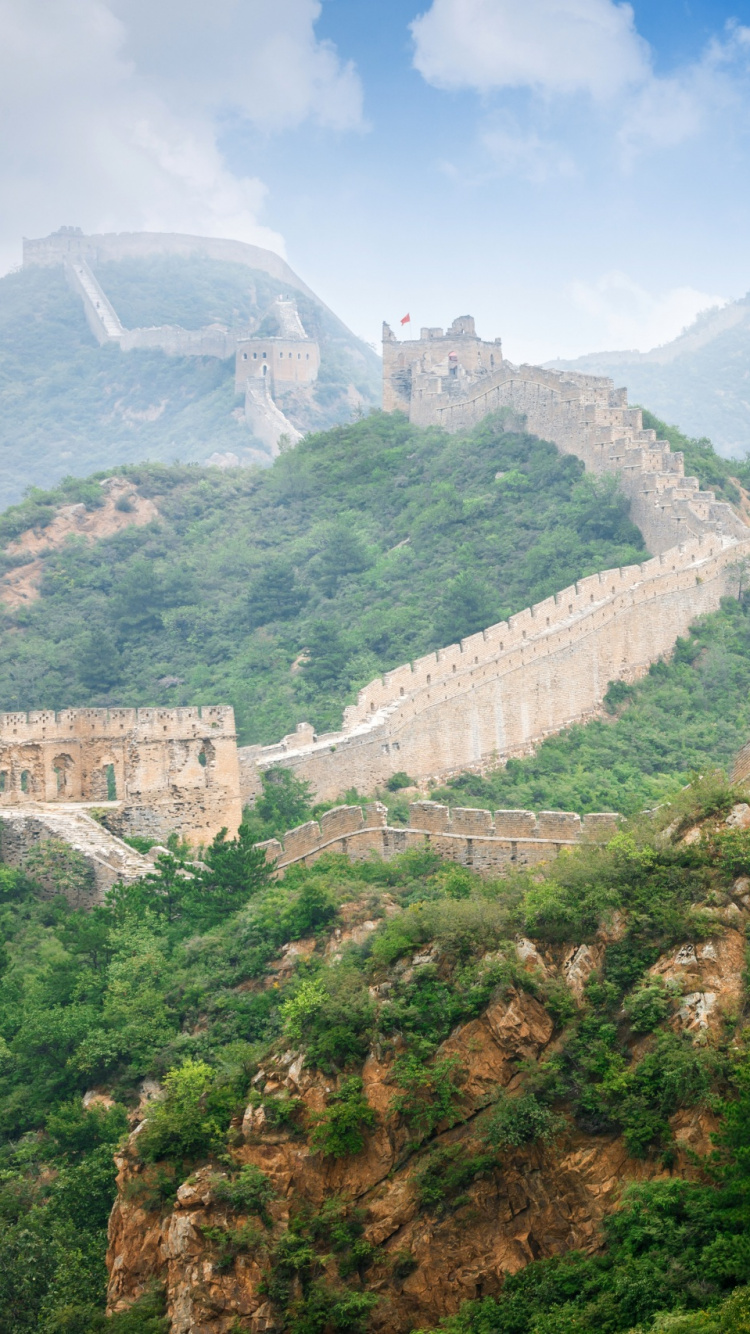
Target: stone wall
[
  {"x": 31, "y": 836},
  {"x": 212, "y": 341},
  {"x": 473, "y": 838},
  {"x": 500, "y": 692},
  {"x": 169, "y": 770},
  {"x": 588, "y": 417},
  {"x": 70, "y": 243},
  {"x": 454, "y": 380}
]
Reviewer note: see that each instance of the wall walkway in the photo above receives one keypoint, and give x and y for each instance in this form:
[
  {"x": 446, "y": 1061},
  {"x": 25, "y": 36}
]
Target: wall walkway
[
  {"x": 24, "y": 829},
  {"x": 586, "y": 416}
]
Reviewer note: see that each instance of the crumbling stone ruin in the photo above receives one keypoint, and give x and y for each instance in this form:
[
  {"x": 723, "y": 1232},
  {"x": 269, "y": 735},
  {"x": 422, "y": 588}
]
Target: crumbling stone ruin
[
  {"x": 32, "y": 836},
  {"x": 154, "y": 771},
  {"x": 500, "y": 692}
]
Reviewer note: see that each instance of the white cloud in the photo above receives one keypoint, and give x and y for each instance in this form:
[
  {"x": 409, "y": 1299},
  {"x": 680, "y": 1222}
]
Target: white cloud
[
  {"x": 625, "y": 316},
  {"x": 666, "y": 112},
  {"x": 258, "y": 58},
  {"x": 553, "y": 46},
  {"x": 111, "y": 109}
]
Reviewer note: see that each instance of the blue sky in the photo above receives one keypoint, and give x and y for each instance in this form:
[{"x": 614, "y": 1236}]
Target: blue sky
[{"x": 573, "y": 172}]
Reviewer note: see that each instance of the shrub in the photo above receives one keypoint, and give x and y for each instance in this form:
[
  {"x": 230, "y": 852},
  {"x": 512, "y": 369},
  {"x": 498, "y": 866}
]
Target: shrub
[
  {"x": 428, "y": 1094},
  {"x": 521, "y": 1120},
  {"x": 191, "y": 1118},
  {"x": 442, "y": 1180},
  {"x": 339, "y": 1131},
  {"x": 250, "y": 1192},
  {"x": 648, "y": 1006},
  {"x": 331, "y": 1017},
  {"x": 231, "y": 1242},
  {"x": 399, "y": 780}
]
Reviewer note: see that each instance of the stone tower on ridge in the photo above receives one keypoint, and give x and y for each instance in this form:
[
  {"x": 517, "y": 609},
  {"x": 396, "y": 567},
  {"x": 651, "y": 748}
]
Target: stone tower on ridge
[{"x": 448, "y": 364}]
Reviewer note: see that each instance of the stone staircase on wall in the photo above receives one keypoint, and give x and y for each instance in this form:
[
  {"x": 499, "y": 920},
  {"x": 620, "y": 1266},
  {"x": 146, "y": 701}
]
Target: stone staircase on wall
[
  {"x": 586, "y": 416},
  {"x": 499, "y": 693},
  {"x": 24, "y": 829},
  {"x": 101, "y": 315}
]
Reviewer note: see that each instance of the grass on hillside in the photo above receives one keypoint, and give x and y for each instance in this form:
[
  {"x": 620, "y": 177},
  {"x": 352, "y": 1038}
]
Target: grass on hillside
[{"x": 283, "y": 591}]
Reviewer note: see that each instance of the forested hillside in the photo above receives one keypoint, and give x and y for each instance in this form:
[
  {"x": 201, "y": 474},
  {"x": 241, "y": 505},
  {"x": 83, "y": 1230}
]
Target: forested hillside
[
  {"x": 368, "y": 1075},
  {"x": 70, "y": 406},
  {"x": 282, "y": 591}
]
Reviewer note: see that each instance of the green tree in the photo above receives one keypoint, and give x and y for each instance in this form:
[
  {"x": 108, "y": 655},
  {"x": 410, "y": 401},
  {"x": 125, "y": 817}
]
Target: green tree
[
  {"x": 99, "y": 662},
  {"x": 275, "y": 594},
  {"x": 468, "y": 604}
]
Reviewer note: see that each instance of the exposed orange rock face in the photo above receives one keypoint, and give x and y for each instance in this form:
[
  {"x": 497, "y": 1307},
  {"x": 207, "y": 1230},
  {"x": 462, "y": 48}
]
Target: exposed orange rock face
[
  {"x": 21, "y": 585},
  {"x": 536, "y": 1202}
]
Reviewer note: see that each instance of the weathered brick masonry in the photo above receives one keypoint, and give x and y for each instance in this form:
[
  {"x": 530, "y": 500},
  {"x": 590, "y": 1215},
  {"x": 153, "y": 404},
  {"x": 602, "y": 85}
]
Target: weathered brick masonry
[
  {"x": 473, "y": 838},
  {"x": 165, "y": 769}
]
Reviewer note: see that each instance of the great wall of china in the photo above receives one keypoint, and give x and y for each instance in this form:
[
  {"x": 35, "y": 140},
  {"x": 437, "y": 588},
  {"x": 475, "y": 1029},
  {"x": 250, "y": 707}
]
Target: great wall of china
[
  {"x": 477, "y": 839},
  {"x": 498, "y": 693},
  {"x": 261, "y": 364},
  {"x": 467, "y": 706}
]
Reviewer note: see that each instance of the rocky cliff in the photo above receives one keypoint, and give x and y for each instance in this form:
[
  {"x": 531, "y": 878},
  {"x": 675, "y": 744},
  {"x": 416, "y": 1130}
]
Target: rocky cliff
[{"x": 387, "y": 1198}]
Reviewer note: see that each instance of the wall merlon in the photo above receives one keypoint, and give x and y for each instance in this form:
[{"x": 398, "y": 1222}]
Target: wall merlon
[
  {"x": 340, "y": 821},
  {"x": 429, "y": 815},
  {"x": 600, "y": 825},
  {"x": 474, "y": 822},
  {"x": 555, "y": 825},
  {"x": 515, "y": 824},
  {"x": 376, "y": 814},
  {"x": 304, "y": 839}
]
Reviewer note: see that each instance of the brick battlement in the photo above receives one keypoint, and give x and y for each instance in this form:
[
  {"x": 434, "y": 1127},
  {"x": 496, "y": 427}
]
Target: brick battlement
[
  {"x": 455, "y": 380},
  {"x": 474, "y": 838},
  {"x": 498, "y": 693}
]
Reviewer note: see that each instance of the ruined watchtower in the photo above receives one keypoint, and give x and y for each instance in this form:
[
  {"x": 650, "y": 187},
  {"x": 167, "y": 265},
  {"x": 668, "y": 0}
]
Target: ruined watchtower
[
  {"x": 449, "y": 364},
  {"x": 282, "y": 360},
  {"x": 160, "y": 770}
]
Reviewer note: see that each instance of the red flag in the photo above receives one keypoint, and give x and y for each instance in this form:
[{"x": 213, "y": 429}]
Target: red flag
[{"x": 406, "y": 319}]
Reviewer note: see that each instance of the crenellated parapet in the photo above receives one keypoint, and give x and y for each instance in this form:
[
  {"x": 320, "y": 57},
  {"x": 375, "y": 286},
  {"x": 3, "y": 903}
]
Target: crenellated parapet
[
  {"x": 478, "y": 839},
  {"x": 500, "y": 692},
  {"x": 497, "y": 694},
  {"x": 455, "y": 379}
]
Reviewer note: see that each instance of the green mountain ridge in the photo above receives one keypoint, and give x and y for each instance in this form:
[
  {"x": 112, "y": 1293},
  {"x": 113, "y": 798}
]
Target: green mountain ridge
[{"x": 284, "y": 590}]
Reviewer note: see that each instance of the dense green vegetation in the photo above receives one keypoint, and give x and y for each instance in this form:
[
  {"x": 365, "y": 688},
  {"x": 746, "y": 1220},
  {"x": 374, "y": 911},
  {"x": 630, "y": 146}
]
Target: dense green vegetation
[
  {"x": 156, "y": 984},
  {"x": 70, "y": 406},
  {"x": 283, "y": 591}
]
